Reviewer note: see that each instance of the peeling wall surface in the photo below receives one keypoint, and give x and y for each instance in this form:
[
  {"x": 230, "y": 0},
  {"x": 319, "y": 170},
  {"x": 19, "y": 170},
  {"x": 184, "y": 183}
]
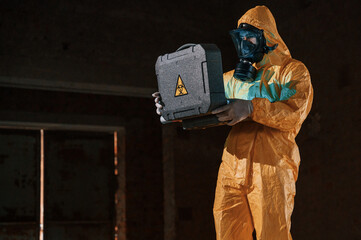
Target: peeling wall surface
[{"x": 114, "y": 44}]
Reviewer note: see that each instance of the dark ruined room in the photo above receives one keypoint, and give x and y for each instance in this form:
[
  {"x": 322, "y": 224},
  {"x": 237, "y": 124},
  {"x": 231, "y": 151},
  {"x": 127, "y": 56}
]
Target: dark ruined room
[{"x": 84, "y": 156}]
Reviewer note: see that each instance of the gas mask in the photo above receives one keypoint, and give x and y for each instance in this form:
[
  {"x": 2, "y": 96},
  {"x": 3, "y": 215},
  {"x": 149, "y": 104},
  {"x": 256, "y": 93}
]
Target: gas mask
[{"x": 251, "y": 46}]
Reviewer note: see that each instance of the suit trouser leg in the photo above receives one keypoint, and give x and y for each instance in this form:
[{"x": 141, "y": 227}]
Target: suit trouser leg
[
  {"x": 232, "y": 216},
  {"x": 271, "y": 200}
]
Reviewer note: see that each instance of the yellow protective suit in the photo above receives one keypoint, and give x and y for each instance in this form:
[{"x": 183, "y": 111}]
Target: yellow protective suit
[{"x": 256, "y": 179}]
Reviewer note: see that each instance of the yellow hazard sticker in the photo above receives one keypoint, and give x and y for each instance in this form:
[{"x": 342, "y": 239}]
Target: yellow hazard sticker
[{"x": 180, "y": 90}]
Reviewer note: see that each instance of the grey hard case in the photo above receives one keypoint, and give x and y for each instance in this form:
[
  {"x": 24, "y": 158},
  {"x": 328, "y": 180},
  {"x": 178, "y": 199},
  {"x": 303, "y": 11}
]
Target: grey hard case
[{"x": 190, "y": 81}]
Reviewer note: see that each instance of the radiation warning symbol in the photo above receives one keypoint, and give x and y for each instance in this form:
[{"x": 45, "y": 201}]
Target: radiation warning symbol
[{"x": 180, "y": 90}]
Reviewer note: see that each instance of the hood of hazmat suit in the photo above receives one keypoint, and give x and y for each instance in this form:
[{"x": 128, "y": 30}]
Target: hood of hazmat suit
[{"x": 256, "y": 179}]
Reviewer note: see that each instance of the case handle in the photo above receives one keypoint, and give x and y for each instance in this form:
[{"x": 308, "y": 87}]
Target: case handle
[{"x": 186, "y": 46}]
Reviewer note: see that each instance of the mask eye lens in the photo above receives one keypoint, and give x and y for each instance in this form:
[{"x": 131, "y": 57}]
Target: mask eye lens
[{"x": 252, "y": 39}]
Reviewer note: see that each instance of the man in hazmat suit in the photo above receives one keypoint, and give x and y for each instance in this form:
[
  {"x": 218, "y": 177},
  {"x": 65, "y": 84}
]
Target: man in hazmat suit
[{"x": 256, "y": 179}]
